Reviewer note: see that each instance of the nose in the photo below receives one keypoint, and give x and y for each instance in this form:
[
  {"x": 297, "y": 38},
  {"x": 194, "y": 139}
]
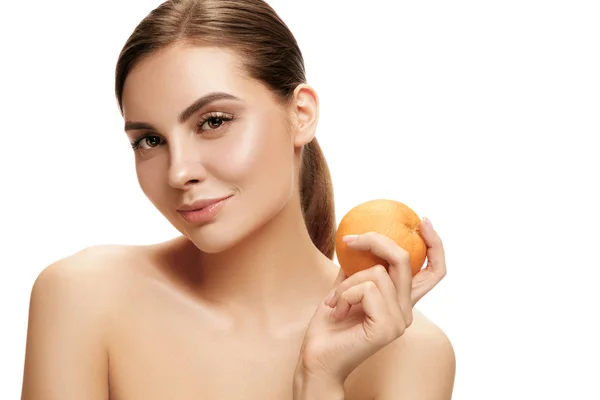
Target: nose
[{"x": 186, "y": 167}]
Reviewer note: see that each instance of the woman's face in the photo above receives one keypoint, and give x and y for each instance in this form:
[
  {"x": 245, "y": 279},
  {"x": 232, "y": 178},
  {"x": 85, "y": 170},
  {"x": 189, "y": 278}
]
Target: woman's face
[{"x": 201, "y": 131}]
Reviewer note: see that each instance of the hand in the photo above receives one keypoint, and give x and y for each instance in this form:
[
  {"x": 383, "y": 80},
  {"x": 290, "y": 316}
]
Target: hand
[{"x": 368, "y": 310}]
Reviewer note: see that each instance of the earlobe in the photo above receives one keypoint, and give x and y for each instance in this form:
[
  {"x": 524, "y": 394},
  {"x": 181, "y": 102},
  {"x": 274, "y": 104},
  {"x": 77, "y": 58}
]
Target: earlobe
[{"x": 305, "y": 108}]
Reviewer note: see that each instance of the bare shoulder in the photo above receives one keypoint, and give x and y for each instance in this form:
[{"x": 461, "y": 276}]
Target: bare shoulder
[
  {"x": 86, "y": 274},
  {"x": 92, "y": 278},
  {"x": 423, "y": 340},
  {"x": 69, "y": 316},
  {"x": 86, "y": 263},
  {"x": 421, "y": 364}
]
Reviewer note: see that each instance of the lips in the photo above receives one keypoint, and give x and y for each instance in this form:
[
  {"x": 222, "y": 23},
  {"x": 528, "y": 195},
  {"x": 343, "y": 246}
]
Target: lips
[
  {"x": 200, "y": 204},
  {"x": 202, "y": 211}
]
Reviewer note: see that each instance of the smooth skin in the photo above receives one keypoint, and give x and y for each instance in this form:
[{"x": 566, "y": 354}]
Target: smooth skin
[{"x": 240, "y": 307}]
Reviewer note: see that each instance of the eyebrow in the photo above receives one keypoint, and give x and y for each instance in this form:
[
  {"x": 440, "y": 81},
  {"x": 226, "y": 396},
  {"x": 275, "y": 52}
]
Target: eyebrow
[{"x": 188, "y": 112}]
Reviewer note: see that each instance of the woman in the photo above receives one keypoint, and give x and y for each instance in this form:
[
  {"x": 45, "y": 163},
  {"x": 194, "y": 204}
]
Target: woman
[{"x": 247, "y": 303}]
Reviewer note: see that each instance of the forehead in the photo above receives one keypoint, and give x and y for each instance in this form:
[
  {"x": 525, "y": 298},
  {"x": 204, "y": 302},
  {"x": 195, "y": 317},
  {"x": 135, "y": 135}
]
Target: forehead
[{"x": 172, "y": 78}]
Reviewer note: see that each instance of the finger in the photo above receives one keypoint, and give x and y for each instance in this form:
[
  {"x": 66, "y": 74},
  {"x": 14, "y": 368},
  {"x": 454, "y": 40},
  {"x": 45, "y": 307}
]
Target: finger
[
  {"x": 378, "y": 275},
  {"x": 378, "y": 244},
  {"x": 424, "y": 286},
  {"x": 435, "y": 248},
  {"x": 401, "y": 276},
  {"x": 340, "y": 278},
  {"x": 399, "y": 266},
  {"x": 366, "y": 294},
  {"x": 435, "y": 271}
]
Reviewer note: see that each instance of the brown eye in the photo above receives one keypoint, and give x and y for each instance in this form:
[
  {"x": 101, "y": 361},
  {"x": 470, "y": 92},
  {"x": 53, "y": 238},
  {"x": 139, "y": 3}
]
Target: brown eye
[
  {"x": 146, "y": 142},
  {"x": 213, "y": 122},
  {"x": 152, "y": 141}
]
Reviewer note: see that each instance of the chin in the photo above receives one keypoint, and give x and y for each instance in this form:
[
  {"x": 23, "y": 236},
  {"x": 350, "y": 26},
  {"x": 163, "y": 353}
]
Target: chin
[
  {"x": 229, "y": 228},
  {"x": 220, "y": 234},
  {"x": 211, "y": 241}
]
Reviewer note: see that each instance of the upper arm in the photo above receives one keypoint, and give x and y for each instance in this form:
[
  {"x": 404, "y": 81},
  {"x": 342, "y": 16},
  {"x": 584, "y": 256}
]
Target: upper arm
[
  {"x": 422, "y": 366},
  {"x": 66, "y": 353}
]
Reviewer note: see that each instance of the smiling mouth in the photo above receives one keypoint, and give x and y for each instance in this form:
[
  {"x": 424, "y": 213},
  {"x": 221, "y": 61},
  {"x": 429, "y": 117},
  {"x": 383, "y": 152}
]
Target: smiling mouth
[{"x": 207, "y": 212}]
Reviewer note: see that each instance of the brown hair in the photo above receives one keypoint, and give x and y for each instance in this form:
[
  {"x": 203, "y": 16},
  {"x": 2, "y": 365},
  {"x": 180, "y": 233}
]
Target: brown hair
[{"x": 270, "y": 54}]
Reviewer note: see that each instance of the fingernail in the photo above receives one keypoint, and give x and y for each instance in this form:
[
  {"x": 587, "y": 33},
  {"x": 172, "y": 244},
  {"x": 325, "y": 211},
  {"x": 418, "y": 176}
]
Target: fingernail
[
  {"x": 329, "y": 297},
  {"x": 349, "y": 238}
]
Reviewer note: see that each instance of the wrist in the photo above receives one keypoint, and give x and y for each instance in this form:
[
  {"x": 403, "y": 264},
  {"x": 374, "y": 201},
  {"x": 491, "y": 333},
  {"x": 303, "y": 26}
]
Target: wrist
[{"x": 312, "y": 387}]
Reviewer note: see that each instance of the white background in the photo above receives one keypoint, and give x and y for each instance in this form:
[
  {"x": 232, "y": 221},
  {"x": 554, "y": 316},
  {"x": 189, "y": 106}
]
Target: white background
[{"x": 483, "y": 116}]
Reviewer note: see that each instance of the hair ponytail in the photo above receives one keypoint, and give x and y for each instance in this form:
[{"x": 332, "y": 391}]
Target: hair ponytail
[{"x": 316, "y": 197}]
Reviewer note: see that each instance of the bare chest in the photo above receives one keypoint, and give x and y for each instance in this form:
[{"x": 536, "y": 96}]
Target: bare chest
[{"x": 178, "y": 355}]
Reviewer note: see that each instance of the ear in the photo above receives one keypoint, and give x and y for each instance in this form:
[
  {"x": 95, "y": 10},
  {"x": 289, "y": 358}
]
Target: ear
[{"x": 305, "y": 114}]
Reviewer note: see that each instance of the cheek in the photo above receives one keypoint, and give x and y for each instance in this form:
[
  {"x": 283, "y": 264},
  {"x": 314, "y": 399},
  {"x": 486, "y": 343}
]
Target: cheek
[
  {"x": 151, "y": 180},
  {"x": 257, "y": 153}
]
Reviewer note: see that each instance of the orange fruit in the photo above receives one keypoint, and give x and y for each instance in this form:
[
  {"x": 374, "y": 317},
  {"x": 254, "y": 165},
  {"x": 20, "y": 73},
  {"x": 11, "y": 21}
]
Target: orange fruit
[{"x": 389, "y": 218}]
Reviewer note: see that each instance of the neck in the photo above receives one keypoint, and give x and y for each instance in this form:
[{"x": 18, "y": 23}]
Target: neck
[{"x": 275, "y": 276}]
